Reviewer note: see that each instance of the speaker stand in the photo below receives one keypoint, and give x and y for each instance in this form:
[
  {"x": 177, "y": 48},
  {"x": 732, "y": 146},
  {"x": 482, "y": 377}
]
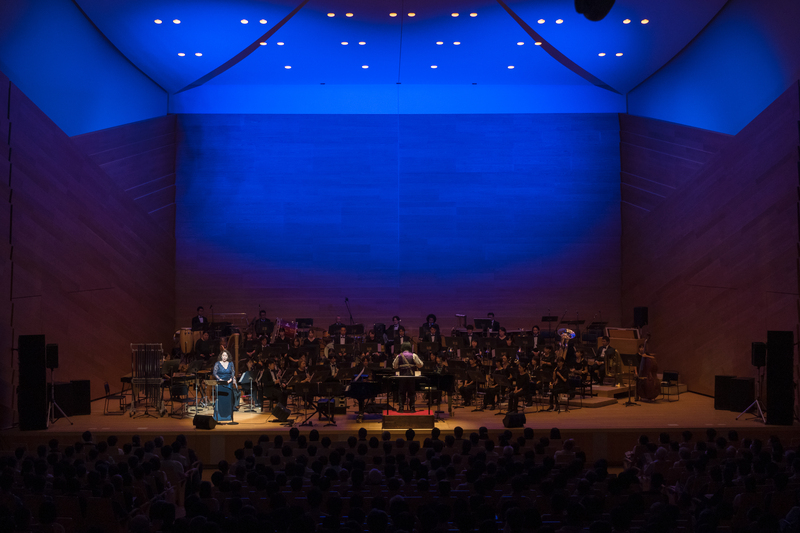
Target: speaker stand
[
  {"x": 757, "y": 403},
  {"x": 51, "y": 411}
]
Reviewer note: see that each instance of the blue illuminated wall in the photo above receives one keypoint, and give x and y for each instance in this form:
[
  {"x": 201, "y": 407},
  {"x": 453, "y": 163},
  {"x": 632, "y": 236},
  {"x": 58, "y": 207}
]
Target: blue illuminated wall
[
  {"x": 407, "y": 214},
  {"x": 747, "y": 57},
  {"x": 67, "y": 68}
]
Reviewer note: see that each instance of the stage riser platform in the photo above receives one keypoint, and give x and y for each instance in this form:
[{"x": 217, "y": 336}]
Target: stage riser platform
[{"x": 602, "y": 433}]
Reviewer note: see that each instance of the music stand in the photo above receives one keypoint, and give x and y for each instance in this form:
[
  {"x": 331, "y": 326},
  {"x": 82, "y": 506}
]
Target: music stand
[
  {"x": 630, "y": 359},
  {"x": 311, "y": 351},
  {"x": 477, "y": 377},
  {"x": 457, "y": 343},
  {"x": 486, "y": 343},
  {"x": 458, "y": 369},
  {"x": 550, "y": 319},
  {"x": 247, "y": 379},
  {"x": 502, "y": 381},
  {"x": 430, "y": 347},
  {"x": 304, "y": 323},
  {"x": 370, "y": 347},
  {"x": 508, "y": 351},
  {"x": 482, "y": 323},
  {"x": 355, "y": 329}
]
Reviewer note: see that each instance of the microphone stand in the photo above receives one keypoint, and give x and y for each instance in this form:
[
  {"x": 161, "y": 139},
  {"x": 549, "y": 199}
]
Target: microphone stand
[{"x": 347, "y": 304}]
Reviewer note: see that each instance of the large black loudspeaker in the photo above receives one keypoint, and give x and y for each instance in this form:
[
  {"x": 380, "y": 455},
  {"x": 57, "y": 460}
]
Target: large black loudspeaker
[
  {"x": 51, "y": 356},
  {"x": 514, "y": 420},
  {"x": 780, "y": 377},
  {"x": 758, "y": 354},
  {"x": 204, "y": 422},
  {"x": 640, "y": 317},
  {"x": 722, "y": 392},
  {"x": 280, "y": 412},
  {"x": 32, "y": 389}
]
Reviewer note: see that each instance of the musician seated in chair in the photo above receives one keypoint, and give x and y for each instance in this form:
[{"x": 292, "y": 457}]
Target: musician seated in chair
[
  {"x": 468, "y": 389},
  {"x": 580, "y": 367},
  {"x": 604, "y": 353},
  {"x": 301, "y": 375},
  {"x": 250, "y": 346},
  {"x": 272, "y": 388},
  {"x": 341, "y": 338},
  {"x": 521, "y": 388},
  {"x": 406, "y": 363},
  {"x": 559, "y": 384},
  {"x": 471, "y": 335},
  {"x": 262, "y": 326},
  {"x": 225, "y": 373},
  {"x": 281, "y": 338},
  {"x": 204, "y": 348},
  {"x": 430, "y": 321}
]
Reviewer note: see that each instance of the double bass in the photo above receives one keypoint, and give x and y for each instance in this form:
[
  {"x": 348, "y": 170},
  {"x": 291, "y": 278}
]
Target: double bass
[{"x": 648, "y": 386}]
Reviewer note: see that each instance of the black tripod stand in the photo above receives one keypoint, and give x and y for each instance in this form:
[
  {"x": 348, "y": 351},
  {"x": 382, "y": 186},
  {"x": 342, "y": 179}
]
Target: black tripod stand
[
  {"x": 757, "y": 403},
  {"x": 51, "y": 411}
]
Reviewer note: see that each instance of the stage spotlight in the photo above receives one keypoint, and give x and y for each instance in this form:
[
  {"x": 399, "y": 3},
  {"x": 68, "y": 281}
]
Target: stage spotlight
[{"x": 594, "y": 10}]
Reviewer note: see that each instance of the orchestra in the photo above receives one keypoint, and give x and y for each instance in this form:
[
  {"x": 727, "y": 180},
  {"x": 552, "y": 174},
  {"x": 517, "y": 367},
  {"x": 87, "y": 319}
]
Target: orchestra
[{"x": 487, "y": 368}]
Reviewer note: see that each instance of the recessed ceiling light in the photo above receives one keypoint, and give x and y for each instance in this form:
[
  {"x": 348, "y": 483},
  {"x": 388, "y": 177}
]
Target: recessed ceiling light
[
  {"x": 279, "y": 43},
  {"x": 602, "y": 54},
  {"x": 619, "y": 54},
  {"x": 540, "y": 21},
  {"x": 434, "y": 66},
  {"x": 538, "y": 43},
  {"x": 263, "y": 21},
  {"x": 244, "y": 21},
  {"x": 263, "y": 43},
  {"x": 473, "y": 14},
  {"x": 392, "y": 14},
  {"x": 345, "y": 43},
  {"x": 645, "y": 21},
  {"x": 348, "y": 14},
  {"x": 362, "y": 43},
  {"x": 181, "y": 54},
  {"x": 364, "y": 66},
  {"x": 176, "y": 21},
  {"x": 198, "y": 54},
  {"x": 439, "y": 42},
  {"x": 158, "y": 21},
  {"x": 287, "y": 67},
  {"x": 511, "y": 66},
  {"x": 520, "y": 43},
  {"x": 456, "y": 43},
  {"x": 626, "y": 21},
  {"x": 412, "y": 14},
  {"x": 453, "y": 14},
  {"x": 559, "y": 21},
  {"x": 331, "y": 14}
]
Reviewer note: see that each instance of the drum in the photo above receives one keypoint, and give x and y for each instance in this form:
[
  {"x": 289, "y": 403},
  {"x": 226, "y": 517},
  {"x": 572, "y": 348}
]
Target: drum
[
  {"x": 186, "y": 340},
  {"x": 223, "y": 407}
]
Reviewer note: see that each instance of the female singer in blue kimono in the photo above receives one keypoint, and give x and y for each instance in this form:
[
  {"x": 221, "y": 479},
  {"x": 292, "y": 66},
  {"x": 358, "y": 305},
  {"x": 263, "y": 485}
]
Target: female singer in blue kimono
[{"x": 225, "y": 373}]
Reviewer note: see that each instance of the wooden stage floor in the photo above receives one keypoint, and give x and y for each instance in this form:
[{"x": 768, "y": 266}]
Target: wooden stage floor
[{"x": 604, "y": 432}]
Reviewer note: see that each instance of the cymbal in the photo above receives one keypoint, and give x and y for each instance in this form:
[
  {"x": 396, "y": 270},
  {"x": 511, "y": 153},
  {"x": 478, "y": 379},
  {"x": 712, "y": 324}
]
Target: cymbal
[{"x": 566, "y": 331}]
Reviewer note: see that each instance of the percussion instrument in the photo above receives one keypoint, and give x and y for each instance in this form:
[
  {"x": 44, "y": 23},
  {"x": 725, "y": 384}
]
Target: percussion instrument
[
  {"x": 186, "y": 340},
  {"x": 566, "y": 331}
]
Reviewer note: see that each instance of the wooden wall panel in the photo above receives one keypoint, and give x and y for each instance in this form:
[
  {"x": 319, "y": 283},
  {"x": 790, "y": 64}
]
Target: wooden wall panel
[
  {"x": 411, "y": 214},
  {"x": 140, "y": 158},
  {"x": 92, "y": 270},
  {"x": 656, "y": 158},
  {"x": 7, "y": 359},
  {"x": 716, "y": 260}
]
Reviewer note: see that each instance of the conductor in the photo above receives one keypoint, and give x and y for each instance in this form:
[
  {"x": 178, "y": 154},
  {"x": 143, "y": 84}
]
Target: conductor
[{"x": 406, "y": 363}]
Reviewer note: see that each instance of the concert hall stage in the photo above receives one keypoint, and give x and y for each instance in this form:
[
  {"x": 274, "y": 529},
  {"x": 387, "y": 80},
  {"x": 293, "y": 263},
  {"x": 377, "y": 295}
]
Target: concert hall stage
[{"x": 605, "y": 432}]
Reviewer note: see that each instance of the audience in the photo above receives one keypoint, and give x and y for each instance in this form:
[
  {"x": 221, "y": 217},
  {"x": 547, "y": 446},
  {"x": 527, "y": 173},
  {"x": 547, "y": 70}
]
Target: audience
[{"x": 484, "y": 483}]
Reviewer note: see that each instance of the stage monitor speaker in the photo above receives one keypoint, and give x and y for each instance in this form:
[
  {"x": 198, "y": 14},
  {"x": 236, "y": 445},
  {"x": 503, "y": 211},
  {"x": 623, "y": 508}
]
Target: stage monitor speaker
[
  {"x": 514, "y": 420},
  {"x": 280, "y": 412},
  {"x": 741, "y": 394},
  {"x": 51, "y": 356},
  {"x": 758, "y": 354},
  {"x": 640, "y": 316},
  {"x": 780, "y": 378},
  {"x": 204, "y": 422},
  {"x": 380, "y": 329},
  {"x": 722, "y": 392},
  {"x": 81, "y": 397},
  {"x": 32, "y": 389}
]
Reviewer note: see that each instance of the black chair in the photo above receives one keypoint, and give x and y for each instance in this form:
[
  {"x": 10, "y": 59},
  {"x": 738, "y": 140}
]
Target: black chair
[
  {"x": 123, "y": 405},
  {"x": 179, "y": 394},
  {"x": 669, "y": 380}
]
